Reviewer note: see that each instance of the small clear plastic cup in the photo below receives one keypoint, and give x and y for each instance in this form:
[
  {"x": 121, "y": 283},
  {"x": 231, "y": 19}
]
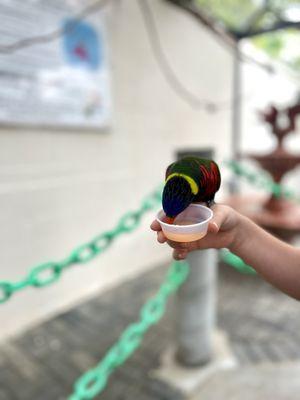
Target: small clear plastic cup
[{"x": 188, "y": 226}]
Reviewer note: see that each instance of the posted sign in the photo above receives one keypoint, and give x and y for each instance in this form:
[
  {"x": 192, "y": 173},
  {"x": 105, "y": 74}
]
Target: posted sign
[{"x": 59, "y": 82}]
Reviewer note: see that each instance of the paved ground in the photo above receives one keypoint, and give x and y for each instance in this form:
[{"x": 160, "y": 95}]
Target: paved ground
[
  {"x": 263, "y": 326},
  {"x": 256, "y": 382}
]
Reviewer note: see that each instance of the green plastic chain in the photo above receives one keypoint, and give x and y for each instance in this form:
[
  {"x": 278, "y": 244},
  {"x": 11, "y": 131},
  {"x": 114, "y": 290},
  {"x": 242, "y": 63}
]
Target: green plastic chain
[
  {"x": 263, "y": 180},
  {"x": 94, "y": 381},
  {"x": 236, "y": 262},
  {"x": 47, "y": 273}
]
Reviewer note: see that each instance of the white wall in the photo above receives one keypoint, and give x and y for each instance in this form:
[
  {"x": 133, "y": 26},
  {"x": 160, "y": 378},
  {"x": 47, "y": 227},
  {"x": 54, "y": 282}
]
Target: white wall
[{"x": 58, "y": 189}]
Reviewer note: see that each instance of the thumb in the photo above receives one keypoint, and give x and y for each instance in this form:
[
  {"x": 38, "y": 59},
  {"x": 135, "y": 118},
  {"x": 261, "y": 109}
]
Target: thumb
[{"x": 219, "y": 217}]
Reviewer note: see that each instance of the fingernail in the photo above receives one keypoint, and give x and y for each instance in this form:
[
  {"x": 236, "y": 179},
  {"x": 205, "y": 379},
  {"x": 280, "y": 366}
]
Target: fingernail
[{"x": 215, "y": 225}]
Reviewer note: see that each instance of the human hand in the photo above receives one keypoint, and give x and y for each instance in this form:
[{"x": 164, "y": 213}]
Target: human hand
[{"x": 222, "y": 232}]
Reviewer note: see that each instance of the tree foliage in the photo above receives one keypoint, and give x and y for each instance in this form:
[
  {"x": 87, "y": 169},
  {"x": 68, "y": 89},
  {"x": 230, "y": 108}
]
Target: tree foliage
[{"x": 242, "y": 15}]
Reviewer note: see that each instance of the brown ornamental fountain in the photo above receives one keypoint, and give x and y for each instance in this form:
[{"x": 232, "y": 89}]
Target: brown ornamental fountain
[{"x": 276, "y": 214}]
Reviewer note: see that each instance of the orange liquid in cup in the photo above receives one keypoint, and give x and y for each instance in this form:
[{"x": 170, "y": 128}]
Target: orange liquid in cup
[
  {"x": 185, "y": 237},
  {"x": 188, "y": 237}
]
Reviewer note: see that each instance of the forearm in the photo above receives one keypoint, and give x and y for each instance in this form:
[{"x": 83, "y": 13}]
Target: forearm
[{"x": 276, "y": 261}]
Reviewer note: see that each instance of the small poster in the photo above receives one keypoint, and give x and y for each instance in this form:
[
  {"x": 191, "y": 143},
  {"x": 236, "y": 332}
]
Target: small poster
[{"x": 59, "y": 82}]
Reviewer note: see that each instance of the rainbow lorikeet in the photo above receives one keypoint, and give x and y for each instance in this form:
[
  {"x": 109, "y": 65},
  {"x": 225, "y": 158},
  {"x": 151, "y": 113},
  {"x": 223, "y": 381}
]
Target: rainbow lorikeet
[{"x": 189, "y": 180}]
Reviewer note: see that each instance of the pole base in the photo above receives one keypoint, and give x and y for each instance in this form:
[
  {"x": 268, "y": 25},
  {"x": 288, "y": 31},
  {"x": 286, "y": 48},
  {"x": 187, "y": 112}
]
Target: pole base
[{"x": 188, "y": 379}]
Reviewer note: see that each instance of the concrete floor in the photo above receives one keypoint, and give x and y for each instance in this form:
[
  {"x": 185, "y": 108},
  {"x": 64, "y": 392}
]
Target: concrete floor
[
  {"x": 257, "y": 382},
  {"x": 262, "y": 324}
]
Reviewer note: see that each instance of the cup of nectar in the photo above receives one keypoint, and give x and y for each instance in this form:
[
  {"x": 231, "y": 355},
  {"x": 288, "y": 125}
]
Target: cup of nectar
[{"x": 189, "y": 225}]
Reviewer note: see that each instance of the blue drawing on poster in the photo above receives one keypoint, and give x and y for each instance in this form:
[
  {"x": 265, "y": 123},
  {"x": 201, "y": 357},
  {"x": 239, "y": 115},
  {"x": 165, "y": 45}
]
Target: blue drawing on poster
[{"x": 82, "y": 44}]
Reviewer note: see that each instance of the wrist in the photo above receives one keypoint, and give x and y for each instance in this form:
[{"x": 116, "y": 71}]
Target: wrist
[{"x": 238, "y": 233}]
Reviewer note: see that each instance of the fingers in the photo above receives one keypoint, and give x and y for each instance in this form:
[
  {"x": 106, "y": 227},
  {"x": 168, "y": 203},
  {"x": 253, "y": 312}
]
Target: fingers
[
  {"x": 155, "y": 226},
  {"x": 179, "y": 254},
  {"x": 179, "y": 245},
  {"x": 219, "y": 217},
  {"x": 161, "y": 237},
  {"x": 213, "y": 227},
  {"x": 221, "y": 222}
]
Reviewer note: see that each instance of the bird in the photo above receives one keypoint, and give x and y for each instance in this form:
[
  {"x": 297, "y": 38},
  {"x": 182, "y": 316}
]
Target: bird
[{"x": 188, "y": 180}]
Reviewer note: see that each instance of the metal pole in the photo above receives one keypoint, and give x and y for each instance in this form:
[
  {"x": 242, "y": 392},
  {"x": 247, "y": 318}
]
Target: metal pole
[
  {"x": 236, "y": 114},
  {"x": 195, "y": 303},
  {"x": 196, "y": 310}
]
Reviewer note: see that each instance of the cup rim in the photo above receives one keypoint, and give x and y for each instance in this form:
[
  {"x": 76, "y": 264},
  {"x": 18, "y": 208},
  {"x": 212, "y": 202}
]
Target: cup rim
[{"x": 185, "y": 226}]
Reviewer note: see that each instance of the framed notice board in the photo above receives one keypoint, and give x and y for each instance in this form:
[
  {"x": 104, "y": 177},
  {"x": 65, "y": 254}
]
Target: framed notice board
[{"x": 53, "y": 64}]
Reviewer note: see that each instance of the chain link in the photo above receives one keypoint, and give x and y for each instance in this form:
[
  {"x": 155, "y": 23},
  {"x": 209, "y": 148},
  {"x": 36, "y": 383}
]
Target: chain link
[
  {"x": 84, "y": 253},
  {"x": 94, "y": 381},
  {"x": 20, "y": 285},
  {"x": 236, "y": 262},
  {"x": 44, "y": 274},
  {"x": 47, "y": 273},
  {"x": 5, "y": 291},
  {"x": 91, "y": 384},
  {"x": 154, "y": 309},
  {"x": 129, "y": 222},
  {"x": 103, "y": 241}
]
